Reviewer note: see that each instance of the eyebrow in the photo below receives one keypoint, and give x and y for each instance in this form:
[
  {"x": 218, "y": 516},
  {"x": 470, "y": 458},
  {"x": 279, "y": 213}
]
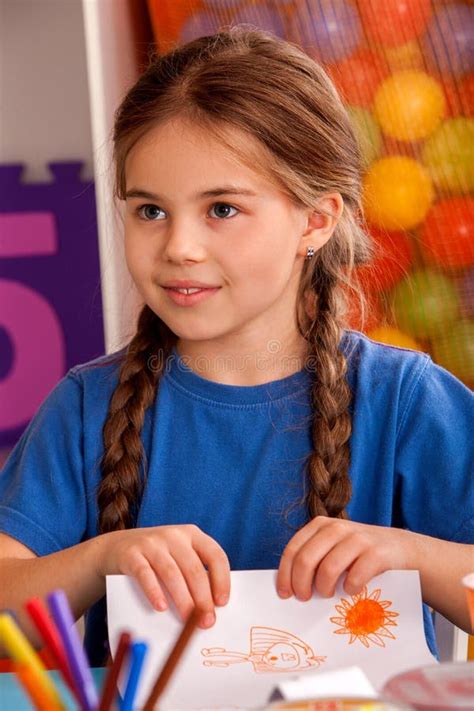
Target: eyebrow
[{"x": 225, "y": 190}]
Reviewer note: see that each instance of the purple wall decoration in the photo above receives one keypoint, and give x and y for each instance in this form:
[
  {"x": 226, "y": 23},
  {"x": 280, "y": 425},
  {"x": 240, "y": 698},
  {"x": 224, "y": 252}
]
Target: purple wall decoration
[{"x": 50, "y": 299}]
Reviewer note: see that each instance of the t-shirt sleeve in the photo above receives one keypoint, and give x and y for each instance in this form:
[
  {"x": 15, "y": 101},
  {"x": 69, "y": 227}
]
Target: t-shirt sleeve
[
  {"x": 435, "y": 456},
  {"x": 42, "y": 491}
]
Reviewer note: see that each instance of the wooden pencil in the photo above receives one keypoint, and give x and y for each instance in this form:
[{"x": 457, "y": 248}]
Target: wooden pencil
[
  {"x": 172, "y": 661},
  {"x": 109, "y": 690}
]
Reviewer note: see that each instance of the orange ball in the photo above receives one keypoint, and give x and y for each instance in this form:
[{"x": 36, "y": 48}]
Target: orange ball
[
  {"x": 392, "y": 22},
  {"x": 398, "y": 193},
  {"x": 167, "y": 20},
  {"x": 358, "y": 77},
  {"x": 409, "y": 105},
  {"x": 447, "y": 236}
]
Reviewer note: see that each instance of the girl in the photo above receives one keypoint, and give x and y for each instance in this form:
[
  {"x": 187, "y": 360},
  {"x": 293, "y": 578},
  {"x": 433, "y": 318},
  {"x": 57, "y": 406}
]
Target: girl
[{"x": 243, "y": 426}]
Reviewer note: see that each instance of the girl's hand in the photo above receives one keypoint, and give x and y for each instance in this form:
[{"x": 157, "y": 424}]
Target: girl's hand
[
  {"x": 172, "y": 558},
  {"x": 327, "y": 547}
]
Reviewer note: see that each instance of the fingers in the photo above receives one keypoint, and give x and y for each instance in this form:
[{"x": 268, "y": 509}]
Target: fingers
[
  {"x": 171, "y": 576},
  {"x": 366, "y": 566},
  {"x": 196, "y": 591},
  {"x": 322, "y": 551},
  {"x": 344, "y": 554},
  {"x": 287, "y": 583},
  {"x": 217, "y": 562},
  {"x": 174, "y": 559},
  {"x": 319, "y": 565},
  {"x": 140, "y": 568}
]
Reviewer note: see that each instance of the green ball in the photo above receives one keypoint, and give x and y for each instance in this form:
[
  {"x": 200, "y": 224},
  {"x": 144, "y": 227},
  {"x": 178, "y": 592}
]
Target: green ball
[
  {"x": 449, "y": 156},
  {"x": 425, "y": 303},
  {"x": 368, "y": 133},
  {"x": 454, "y": 350}
]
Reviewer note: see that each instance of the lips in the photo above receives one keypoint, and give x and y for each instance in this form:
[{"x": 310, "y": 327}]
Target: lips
[
  {"x": 189, "y": 299},
  {"x": 191, "y": 290},
  {"x": 188, "y": 284}
]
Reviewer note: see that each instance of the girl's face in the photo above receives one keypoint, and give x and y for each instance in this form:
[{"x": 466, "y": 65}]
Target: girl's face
[{"x": 246, "y": 238}]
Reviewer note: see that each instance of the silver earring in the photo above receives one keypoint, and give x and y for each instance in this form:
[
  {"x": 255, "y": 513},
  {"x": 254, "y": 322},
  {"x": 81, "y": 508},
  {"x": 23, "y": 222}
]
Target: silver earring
[{"x": 310, "y": 252}]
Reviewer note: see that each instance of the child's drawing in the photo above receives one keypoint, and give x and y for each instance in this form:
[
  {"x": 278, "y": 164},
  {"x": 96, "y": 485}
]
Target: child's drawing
[
  {"x": 366, "y": 619},
  {"x": 271, "y": 650}
]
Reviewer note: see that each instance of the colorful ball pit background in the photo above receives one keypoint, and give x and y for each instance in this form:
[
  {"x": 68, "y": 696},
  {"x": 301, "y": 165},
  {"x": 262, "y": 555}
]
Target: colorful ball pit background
[{"x": 405, "y": 71}]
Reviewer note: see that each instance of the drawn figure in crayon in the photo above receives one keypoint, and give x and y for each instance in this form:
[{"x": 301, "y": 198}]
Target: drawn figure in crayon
[
  {"x": 271, "y": 650},
  {"x": 367, "y": 619}
]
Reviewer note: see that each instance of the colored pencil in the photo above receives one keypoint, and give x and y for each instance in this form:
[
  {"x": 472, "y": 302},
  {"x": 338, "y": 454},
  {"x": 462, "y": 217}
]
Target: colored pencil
[
  {"x": 51, "y": 637},
  {"x": 22, "y": 652},
  {"x": 28, "y": 678},
  {"x": 172, "y": 661},
  {"x": 109, "y": 690},
  {"x": 138, "y": 651},
  {"x": 78, "y": 664}
]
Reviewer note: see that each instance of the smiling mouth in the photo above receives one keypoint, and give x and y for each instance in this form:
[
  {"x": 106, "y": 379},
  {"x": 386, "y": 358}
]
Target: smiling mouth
[
  {"x": 189, "y": 296},
  {"x": 192, "y": 290}
]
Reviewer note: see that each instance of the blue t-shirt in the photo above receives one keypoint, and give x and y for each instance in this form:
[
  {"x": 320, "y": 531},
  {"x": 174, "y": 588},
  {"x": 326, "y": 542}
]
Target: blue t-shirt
[{"x": 231, "y": 459}]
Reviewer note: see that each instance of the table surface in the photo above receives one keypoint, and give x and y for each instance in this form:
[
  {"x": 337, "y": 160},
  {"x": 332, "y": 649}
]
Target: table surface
[{"x": 13, "y": 698}]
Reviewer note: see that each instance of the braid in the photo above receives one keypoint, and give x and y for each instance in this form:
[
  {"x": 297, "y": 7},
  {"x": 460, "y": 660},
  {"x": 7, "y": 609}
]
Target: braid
[
  {"x": 121, "y": 487},
  {"x": 328, "y": 466}
]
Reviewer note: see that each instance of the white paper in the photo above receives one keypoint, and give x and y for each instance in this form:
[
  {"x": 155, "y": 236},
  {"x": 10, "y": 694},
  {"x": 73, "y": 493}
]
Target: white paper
[
  {"x": 257, "y": 629},
  {"x": 340, "y": 683}
]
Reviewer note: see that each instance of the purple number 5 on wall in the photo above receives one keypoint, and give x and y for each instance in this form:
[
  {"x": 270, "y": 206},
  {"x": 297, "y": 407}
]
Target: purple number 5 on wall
[{"x": 50, "y": 305}]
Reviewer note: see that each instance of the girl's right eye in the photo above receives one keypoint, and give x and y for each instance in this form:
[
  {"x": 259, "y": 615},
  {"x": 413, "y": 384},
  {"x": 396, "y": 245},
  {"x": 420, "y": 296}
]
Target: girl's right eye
[{"x": 152, "y": 212}]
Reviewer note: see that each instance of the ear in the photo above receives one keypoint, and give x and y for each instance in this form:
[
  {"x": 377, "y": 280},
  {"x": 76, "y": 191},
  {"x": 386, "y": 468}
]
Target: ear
[{"x": 321, "y": 222}]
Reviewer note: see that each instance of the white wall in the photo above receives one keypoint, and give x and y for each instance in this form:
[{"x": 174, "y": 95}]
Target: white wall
[
  {"x": 44, "y": 100},
  {"x": 112, "y": 69}
]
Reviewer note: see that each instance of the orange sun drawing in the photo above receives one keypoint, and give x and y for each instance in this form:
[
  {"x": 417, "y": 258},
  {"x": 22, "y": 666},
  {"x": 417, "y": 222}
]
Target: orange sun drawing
[{"x": 366, "y": 619}]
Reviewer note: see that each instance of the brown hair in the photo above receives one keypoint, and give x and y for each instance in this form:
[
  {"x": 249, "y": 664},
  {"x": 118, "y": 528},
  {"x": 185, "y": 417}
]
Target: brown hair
[{"x": 270, "y": 89}]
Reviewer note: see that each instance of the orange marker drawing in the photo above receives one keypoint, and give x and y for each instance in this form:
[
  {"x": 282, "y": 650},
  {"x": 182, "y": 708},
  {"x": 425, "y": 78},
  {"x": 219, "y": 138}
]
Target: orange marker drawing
[
  {"x": 366, "y": 619},
  {"x": 271, "y": 650}
]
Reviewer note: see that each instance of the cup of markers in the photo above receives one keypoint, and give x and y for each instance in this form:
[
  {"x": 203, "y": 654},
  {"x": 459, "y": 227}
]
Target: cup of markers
[{"x": 54, "y": 623}]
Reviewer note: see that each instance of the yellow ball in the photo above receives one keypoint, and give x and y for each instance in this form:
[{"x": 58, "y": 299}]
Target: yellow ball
[
  {"x": 394, "y": 337},
  {"x": 398, "y": 193},
  {"x": 409, "y": 105}
]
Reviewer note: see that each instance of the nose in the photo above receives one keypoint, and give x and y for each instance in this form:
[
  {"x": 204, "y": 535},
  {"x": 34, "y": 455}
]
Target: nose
[{"x": 183, "y": 243}]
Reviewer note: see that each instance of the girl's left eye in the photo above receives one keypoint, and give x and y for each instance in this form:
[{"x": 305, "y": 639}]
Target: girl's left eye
[
  {"x": 222, "y": 210},
  {"x": 150, "y": 213}
]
